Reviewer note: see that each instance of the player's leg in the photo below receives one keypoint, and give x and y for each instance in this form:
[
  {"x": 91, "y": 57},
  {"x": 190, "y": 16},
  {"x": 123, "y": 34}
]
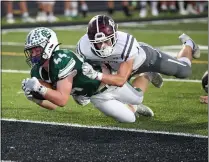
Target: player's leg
[
  {"x": 142, "y": 80},
  {"x": 115, "y": 109},
  {"x": 179, "y": 67},
  {"x": 9, "y": 8},
  {"x": 189, "y": 45},
  {"x": 165, "y": 64},
  {"x": 127, "y": 95},
  {"x": 25, "y": 14}
]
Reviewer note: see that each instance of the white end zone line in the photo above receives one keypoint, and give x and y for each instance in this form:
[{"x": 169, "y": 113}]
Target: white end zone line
[
  {"x": 107, "y": 128},
  {"x": 164, "y": 79}
]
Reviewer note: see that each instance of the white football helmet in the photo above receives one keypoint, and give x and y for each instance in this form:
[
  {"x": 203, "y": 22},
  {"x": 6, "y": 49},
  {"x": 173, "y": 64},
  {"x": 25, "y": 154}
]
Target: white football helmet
[{"x": 44, "y": 38}]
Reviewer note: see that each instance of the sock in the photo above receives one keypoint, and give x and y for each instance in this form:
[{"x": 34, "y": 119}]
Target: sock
[
  {"x": 67, "y": 12},
  {"x": 9, "y": 15},
  {"x": 25, "y": 14},
  {"x": 189, "y": 43}
]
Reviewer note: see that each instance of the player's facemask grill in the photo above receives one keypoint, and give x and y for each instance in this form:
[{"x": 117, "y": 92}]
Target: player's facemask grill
[
  {"x": 102, "y": 35},
  {"x": 38, "y": 59},
  {"x": 101, "y": 38}
]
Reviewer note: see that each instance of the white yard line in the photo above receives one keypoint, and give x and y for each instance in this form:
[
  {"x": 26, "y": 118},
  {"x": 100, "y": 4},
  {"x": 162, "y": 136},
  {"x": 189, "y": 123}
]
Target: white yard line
[
  {"x": 172, "y": 49},
  {"x": 178, "y": 47},
  {"x": 164, "y": 79},
  {"x": 15, "y": 71},
  {"x": 107, "y": 128},
  {"x": 17, "y": 44}
]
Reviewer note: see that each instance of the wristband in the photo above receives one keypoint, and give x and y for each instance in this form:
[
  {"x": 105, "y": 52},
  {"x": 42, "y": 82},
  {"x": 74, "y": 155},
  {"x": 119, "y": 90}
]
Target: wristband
[{"x": 99, "y": 76}]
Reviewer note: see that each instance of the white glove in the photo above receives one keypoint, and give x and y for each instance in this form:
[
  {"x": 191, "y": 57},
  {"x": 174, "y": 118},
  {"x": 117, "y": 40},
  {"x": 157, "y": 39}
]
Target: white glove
[
  {"x": 88, "y": 70},
  {"x": 23, "y": 83},
  {"x": 27, "y": 92},
  {"x": 34, "y": 85},
  {"x": 81, "y": 100}
]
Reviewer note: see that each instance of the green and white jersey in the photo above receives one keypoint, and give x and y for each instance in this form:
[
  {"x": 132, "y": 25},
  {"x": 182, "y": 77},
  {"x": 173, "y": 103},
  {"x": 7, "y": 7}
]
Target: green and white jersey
[{"x": 61, "y": 64}]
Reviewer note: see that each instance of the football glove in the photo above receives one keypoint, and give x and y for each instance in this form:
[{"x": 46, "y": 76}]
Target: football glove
[
  {"x": 88, "y": 71},
  {"x": 23, "y": 83},
  {"x": 30, "y": 97},
  {"x": 34, "y": 85}
]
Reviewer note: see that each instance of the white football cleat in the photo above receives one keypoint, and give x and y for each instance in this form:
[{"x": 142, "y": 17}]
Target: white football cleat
[
  {"x": 28, "y": 19},
  {"x": 196, "y": 50},
  {"x": 155, "y": 78},
  {"x": 10, "y": 20},
  {"x": 143, "y": 110},
  {"x": 143, "y": 13}
]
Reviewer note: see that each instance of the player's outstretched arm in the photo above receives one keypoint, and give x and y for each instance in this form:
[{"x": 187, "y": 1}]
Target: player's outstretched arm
[
  {"x": 45, "y": 104},
  {"x": 121, "y": 77},
  {"x": 118, "y": 79},
  {"x": 61, "y": 95},
  {"x": 39, "y": 100}
]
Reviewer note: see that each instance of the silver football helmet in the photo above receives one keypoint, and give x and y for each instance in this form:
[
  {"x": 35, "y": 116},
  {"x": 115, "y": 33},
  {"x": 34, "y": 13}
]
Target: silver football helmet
[{"x": 44, "y": 38}]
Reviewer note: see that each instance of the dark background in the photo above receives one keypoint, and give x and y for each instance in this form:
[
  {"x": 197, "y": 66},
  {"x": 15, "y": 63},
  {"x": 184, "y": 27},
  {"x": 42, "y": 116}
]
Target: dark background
[{"x": 94, "y": 6}]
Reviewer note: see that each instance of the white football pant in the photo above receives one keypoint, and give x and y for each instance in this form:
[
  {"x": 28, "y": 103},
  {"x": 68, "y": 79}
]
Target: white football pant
[{"x": 112, "y": 102}]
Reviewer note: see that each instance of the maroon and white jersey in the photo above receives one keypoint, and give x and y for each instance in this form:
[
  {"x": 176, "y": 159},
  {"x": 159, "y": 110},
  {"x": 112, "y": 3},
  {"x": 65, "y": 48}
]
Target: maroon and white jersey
[{"x": 125, "y": 48}]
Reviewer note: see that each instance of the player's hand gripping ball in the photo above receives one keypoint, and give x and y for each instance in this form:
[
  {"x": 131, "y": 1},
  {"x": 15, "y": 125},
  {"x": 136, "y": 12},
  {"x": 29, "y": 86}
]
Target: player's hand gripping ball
[
  {"x": 32, "y": 94},
  {"x": 37, "y": 95}
]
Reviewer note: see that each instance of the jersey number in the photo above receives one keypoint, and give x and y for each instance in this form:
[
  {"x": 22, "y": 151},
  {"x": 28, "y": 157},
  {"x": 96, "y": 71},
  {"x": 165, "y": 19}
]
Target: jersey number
[{"x": 57, "y": 60}]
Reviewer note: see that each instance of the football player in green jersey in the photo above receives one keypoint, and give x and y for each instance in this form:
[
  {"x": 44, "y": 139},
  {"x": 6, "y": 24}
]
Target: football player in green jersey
[{"x": 63, "y": 69}]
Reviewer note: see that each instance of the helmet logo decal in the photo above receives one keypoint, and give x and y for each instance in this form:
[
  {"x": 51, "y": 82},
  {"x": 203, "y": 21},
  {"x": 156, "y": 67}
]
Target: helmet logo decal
[
  {"x": 111, "y": 22},
  {"x": 45, "y": 33}
]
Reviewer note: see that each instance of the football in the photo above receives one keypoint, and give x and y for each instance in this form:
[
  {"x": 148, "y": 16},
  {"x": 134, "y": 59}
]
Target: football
[
  {"x": 205, "y": 81},
  {"x": 36, "y": 95}
]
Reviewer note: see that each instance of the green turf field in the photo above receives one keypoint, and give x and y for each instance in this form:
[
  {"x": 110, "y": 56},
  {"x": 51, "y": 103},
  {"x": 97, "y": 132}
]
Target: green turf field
[{"x": 176, "y": 105}]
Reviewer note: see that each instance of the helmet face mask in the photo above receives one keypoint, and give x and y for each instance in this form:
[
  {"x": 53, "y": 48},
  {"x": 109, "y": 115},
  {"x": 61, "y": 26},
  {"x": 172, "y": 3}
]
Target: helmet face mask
[
  {"x": 102, "y": 35},
  {"x": 34, "y": 55},
  {"x": 41, "y": 41}
]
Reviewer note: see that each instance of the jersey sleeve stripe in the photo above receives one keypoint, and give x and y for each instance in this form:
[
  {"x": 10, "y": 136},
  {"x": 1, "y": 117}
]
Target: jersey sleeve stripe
[
  {"x": 79, "y": 49},
  {"x": 124, "y": 49},
  {"x": 39, "y": 70},
  {"x": 130, "y": 47},
  {"x": 64, "y": 72}
]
